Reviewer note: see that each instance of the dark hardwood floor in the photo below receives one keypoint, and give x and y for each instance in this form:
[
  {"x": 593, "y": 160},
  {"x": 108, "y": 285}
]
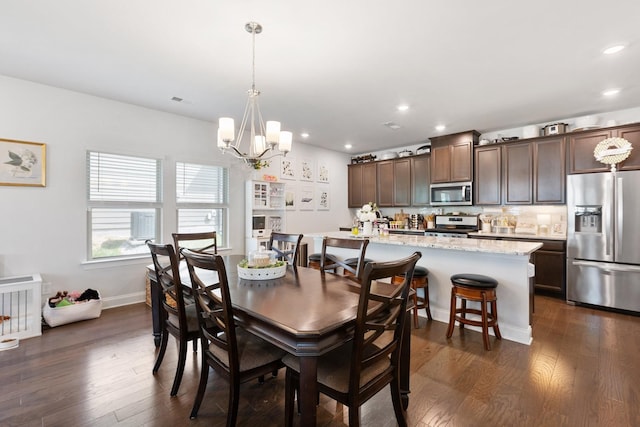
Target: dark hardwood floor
[{"x": 583, "y": 369}]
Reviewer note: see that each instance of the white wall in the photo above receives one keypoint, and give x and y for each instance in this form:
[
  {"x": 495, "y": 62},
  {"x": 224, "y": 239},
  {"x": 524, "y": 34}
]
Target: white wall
[{"x": 43, "y": 230}]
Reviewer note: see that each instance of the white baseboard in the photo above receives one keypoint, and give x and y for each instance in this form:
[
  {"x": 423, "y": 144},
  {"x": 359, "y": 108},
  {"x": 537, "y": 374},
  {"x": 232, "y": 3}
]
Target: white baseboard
[{"x": 120, "y": 300}]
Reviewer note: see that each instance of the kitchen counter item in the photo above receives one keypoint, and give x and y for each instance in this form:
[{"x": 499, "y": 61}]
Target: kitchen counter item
[
  {"x": 555, "y": 129},
  {"x": 531, "y": 131},
  {"x": 425, "y": 149},
  {"x": 388, "y": 155},
  {"x": 405, "y": 153}
]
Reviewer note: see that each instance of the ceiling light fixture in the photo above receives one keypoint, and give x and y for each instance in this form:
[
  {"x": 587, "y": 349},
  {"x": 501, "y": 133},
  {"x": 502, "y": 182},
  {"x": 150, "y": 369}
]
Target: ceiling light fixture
[
  {"x": 611, "y": 92},
  {"x": 348, "y": 146},
  {"x": 440, "y": 128},
  {"x": 613, "y": 49},
  {"x": 403, "y": 107},
  {"x": 304, "y": 135},
  {"x": 263, "y": 139}
]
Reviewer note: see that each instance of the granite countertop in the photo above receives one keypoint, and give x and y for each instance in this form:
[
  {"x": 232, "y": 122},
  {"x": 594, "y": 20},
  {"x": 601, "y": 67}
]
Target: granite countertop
[
  {"x": 520, "y": 236},
  {"x": 506, "y": 247}
]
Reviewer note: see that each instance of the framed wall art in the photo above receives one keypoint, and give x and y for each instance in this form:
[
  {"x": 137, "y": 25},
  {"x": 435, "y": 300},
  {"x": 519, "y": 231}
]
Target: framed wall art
[
  {"x": 287, "y": 168},
  {"x": 323, "y": 172},
  {"x": 306, "y": 198},
  {"x": 322, "y": 198},
  {"x": 306, "y": 170},
  {"x": 290, "y": 197},
  {"x": 22, "y": 163}
]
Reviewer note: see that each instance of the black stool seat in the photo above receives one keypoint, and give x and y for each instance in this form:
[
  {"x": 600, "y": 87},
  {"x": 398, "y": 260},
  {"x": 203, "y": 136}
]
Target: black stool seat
[
  {"x": 474, "y": 281},
  {"x": 316, "y": 257},
  {"x": 354, "y": 261},
  {"x": 418, "y": 272}
]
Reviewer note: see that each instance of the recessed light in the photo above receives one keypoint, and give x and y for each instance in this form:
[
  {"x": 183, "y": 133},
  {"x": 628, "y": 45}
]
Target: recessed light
[
  {"x": 347, "y": 146},
  {"x": 403, "y": 107},
  {"x": 440, "y": 128},
  {"x": 613, "y": 49},
  {"x": 304, "y": 135},
  {"x": 611, "y": 92}
]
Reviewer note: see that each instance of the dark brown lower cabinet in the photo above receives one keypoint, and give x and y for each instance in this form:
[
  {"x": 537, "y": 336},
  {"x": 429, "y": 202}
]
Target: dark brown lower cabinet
[{"x": 550, "y": 262}]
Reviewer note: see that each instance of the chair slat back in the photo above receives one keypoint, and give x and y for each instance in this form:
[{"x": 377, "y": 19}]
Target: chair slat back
[
  {"x": 214, "y": 303},
  {"x": 198, "y": 242},
  {"x": 359, "y": 245},
  {"x": 381, "y": 319},
  {"x": 285, "y": 246},
  {"x": 168, "y": 277}
]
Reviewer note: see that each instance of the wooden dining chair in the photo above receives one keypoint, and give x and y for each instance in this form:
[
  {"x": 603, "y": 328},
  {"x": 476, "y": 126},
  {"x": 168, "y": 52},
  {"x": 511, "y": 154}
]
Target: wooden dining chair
[
  {"x": 351, "y": 266},
  {"x": 233, "y": 353},
  {"x": 286, "y": 246},
  {"x": 358, "y": 370},
  {"x": 201, "y": 242},
  {"x": 179, "y": 316}
]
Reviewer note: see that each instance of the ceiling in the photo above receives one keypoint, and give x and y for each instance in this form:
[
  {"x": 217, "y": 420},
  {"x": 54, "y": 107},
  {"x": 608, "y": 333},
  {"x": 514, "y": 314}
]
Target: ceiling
[{"x": 336, "y": 69}]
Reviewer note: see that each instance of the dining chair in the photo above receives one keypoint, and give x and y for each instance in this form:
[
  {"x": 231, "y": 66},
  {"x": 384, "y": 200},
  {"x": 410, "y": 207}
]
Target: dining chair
[
  {"x": 358, "y": 370},
  {"x": 233, "y": 353},
  {"x": 179, "y": 316},
  {"x": 286, "y": 246},
  {"x": 351, "y": 266},
  {"x": 205, "y": 241}
]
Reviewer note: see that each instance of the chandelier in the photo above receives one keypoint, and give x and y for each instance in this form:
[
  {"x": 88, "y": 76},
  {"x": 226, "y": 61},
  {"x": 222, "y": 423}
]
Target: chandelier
[{"x": 264, "y": 139}]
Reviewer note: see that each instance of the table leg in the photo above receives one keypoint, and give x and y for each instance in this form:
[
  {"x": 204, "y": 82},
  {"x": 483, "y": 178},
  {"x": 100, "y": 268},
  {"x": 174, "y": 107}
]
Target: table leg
[
  {"x": 405, "y": 361},
  {"x": 308, "y": 394},
  {"x": 156, "y": 318}
]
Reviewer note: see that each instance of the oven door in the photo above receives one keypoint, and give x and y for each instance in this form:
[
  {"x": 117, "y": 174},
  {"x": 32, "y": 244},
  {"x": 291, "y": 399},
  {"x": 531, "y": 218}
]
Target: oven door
[{"x": 457, "y": 193}]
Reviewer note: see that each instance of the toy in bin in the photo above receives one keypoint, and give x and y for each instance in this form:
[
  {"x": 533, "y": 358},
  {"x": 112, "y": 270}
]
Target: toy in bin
[{"x": 67, "y": 307}]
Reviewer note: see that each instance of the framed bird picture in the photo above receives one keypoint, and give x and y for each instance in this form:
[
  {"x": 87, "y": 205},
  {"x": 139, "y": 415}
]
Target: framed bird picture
[{"x": 22, "y": 163}]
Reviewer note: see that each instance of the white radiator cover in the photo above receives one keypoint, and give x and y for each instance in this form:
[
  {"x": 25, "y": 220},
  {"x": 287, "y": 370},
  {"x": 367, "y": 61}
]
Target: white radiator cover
[{"x": 21, "y": 306}]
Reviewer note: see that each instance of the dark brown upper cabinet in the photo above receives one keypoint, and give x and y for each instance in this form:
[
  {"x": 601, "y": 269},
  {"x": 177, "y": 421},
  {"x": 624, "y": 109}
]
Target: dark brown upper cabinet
[
  {"x": 362, "y": 184},
  {"x": 452, "y": 157},
  {"x": 582, "y": 144}
]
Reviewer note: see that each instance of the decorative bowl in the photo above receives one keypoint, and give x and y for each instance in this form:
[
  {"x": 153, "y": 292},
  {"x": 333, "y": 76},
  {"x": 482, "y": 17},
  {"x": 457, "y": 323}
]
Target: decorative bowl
[{"x": 265, "y": 273}]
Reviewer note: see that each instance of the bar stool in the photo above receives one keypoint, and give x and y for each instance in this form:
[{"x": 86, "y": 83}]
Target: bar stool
[
  {"x": 479, "y": 288},
  {"x": 314, "y": 260},
  {"x": 353, "y": 263},
  {"x": 420, "y": 280}
]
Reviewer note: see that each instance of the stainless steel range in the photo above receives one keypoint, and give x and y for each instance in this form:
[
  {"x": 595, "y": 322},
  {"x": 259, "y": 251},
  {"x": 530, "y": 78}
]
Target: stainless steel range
[{"x": 453, "y": 226}]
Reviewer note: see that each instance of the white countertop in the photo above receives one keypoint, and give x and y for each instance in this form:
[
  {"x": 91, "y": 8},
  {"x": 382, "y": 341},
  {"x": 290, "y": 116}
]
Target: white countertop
[
  {"x": 506, "y": 247},
  {"x": 520, "y": 236}
]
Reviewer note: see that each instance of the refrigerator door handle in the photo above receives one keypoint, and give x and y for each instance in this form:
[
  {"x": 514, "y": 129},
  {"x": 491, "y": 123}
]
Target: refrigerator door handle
[
  {"x": 608, "y": 266},
  {"x": 619, "y": 213}
]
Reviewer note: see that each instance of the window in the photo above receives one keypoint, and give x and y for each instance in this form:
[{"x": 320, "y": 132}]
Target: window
[
  {"x": 202, "y": 194},
  {"x": 124, "y": 202}
]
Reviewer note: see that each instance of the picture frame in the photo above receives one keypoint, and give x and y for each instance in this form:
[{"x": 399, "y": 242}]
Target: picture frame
[
  {"x": 322, "y": 198},
  {"x": 290, "y": 194},
  {"x": 23, "y": 163},
  {"x": 306, "y": 198},
  {"x": 323, "y": 173},
  {"x": 306, "y": 170},
  {"x": 287, "y": 168}
]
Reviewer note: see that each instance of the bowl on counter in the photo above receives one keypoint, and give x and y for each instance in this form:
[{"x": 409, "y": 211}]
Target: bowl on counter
[{"x": 503, "y": 229}]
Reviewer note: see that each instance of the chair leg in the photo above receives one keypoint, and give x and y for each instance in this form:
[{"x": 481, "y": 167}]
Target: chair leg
[
  {"x": 426, "y": 301},
  {"x": 202, "y": 386},
  {"x": 463, "y": 312},
  {"x": 234, "y": 398},
  {"x": 485, "y": 323},
  {"x": 289, "y": 394},
  {"x": 397, "y": 403},
  {"x": 415, "y": 310},
  {"x": 195, "y": 345},
  {"x": 182, "y": 359},
  {"x": 452, "y": 313},
  {"x": 354, "y": 416},
  {"x": 163, "y": 348},
  {"x": 494, "y": 312}
]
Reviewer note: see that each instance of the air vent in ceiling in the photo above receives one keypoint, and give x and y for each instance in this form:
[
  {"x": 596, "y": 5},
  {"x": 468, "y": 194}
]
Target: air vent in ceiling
[{"x": 392, "y": 126}]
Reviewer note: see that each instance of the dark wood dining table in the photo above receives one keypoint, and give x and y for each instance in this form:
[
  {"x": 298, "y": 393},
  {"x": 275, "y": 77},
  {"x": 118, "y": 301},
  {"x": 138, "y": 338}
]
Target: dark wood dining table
[{"x": 307, "y": 313}]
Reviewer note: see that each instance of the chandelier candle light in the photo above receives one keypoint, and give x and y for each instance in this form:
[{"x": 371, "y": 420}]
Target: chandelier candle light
[{"x": 263, "y": 139}]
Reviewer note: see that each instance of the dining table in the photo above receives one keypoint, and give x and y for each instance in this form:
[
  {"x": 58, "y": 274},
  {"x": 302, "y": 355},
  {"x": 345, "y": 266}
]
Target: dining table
[{"x": 306, "y": 312}]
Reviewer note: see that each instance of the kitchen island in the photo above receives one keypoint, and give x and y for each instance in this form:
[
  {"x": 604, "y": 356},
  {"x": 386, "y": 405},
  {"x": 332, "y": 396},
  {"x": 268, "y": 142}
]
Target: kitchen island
[{"x": 506, "y": 261}]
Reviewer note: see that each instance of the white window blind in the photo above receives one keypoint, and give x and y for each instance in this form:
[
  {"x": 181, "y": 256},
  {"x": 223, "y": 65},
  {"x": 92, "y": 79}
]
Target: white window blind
[
  {"x": 124, "y": 204},
  {"x": 202, "y": 193}
]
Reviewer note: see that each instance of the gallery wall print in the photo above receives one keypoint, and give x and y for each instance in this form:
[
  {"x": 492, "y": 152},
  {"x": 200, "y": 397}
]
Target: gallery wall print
[
  {"x": 305, "y": 198},
  {"x": 290, "y": 196},
  {"x": 323, "y": 172},
  {"x": 306, "y": 170},
  {"x": 322, "y": 198},
  {"x": 22, "y": 163},
  {"x": 287, "y": 168}
]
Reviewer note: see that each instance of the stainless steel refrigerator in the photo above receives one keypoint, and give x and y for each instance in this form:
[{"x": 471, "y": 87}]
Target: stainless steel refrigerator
[{"x": 603, "y": 239}]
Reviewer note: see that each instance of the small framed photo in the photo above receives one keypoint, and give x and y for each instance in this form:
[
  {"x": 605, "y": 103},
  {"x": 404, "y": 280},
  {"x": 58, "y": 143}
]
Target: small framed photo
[
  {"x": 323, "y": 172},
  {"x": 306, "y": 170},
  {"x": 322, "y": 198},
  {"x": 305, "y": 198},
  {"x": 22, "y": 163},
  {"x": 287, "y": 168},
  {"x": 290, "y": 197}
]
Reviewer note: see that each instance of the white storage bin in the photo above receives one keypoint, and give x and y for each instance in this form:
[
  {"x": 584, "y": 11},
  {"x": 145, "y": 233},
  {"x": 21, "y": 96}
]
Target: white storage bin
[
  {"x": 56, "y": 316},
  {"x": 20, "y": 302}
]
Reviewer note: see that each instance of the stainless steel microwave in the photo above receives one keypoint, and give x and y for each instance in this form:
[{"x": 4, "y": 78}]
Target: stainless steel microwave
[{"x": 451, "y": 194}]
